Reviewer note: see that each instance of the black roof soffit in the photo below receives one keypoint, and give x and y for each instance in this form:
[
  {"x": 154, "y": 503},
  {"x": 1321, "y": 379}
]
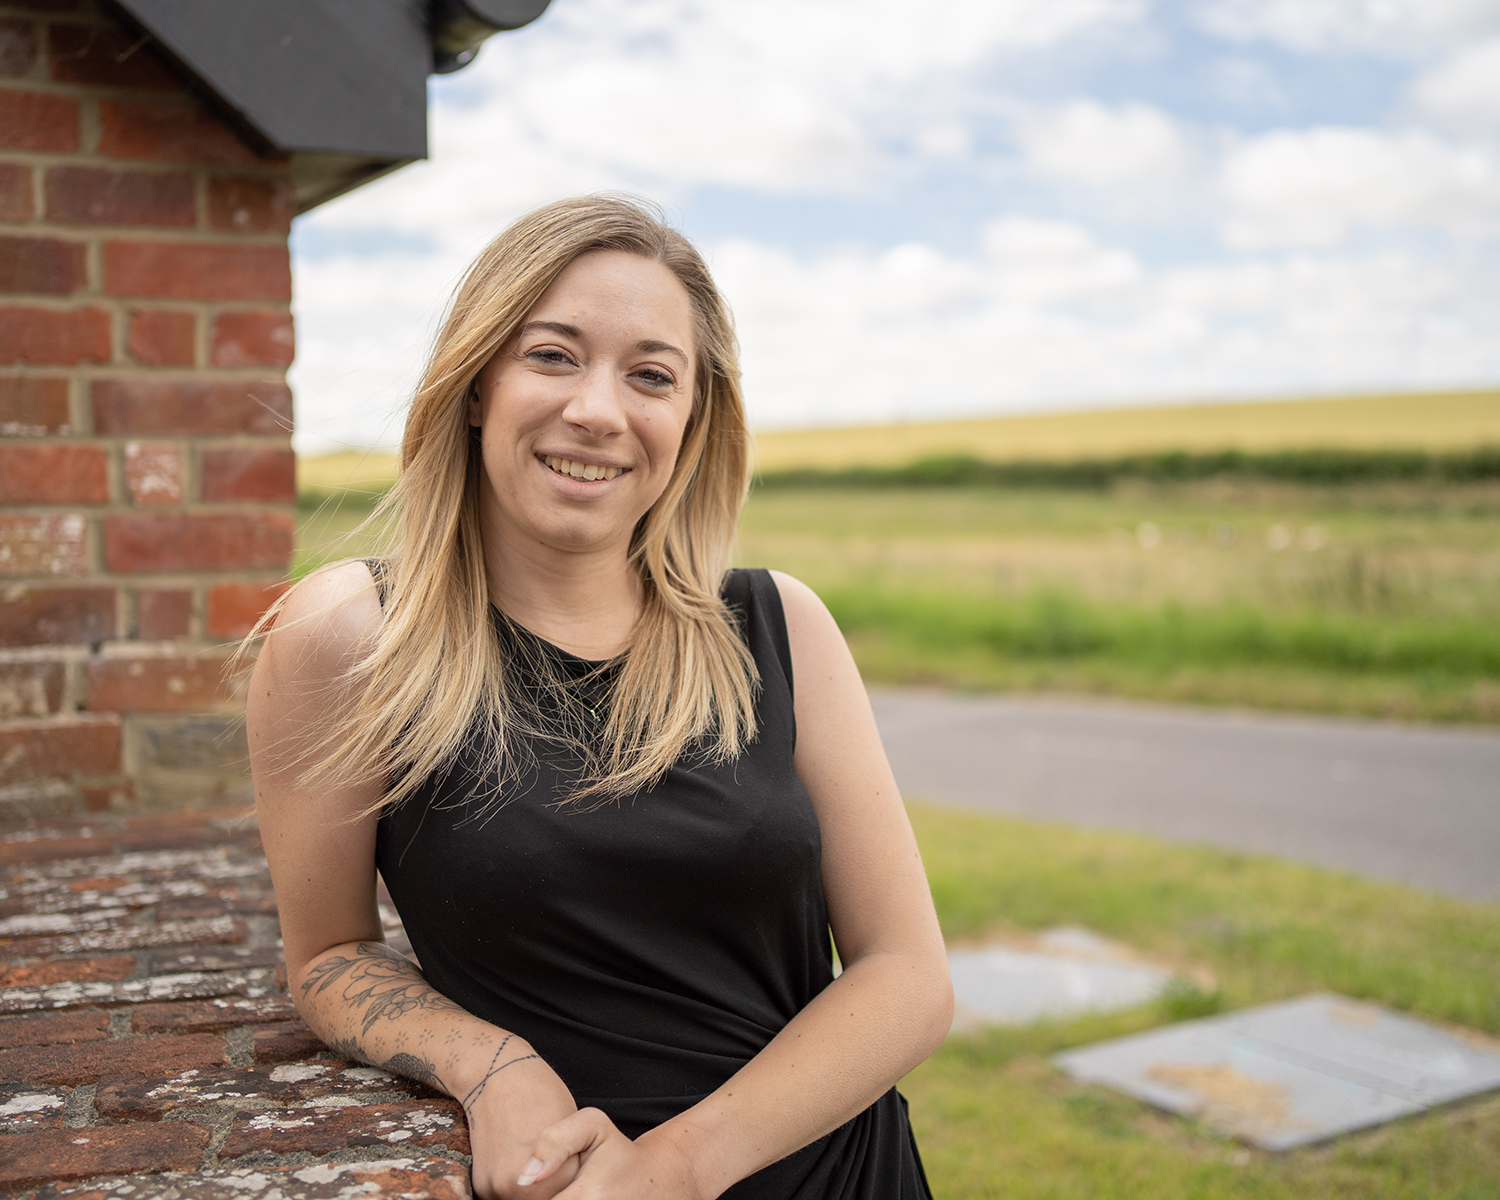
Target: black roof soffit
[{"x": 345, "y": 77}]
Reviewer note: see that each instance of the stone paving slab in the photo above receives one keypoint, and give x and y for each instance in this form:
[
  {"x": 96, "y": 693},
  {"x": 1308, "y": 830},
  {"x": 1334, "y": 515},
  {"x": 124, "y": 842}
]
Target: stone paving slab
[
  {"x": 1059, "y": 973},
  {"x": 1301, "y": 1071}
]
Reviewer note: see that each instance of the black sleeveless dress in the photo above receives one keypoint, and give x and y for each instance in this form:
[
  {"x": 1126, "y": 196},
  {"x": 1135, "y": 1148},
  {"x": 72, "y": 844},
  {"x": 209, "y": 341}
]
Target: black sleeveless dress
[{"x": 646, "y": 948}]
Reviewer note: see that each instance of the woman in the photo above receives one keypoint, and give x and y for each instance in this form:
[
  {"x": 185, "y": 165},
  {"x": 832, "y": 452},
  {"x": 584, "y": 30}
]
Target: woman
[{"x": 617, "y": 833}]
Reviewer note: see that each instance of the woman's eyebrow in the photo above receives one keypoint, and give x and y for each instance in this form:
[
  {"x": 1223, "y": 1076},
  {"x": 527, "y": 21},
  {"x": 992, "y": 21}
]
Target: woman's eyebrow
[
  {"x": 652, "y": 347},
  {"x": 571, "y": 331}
]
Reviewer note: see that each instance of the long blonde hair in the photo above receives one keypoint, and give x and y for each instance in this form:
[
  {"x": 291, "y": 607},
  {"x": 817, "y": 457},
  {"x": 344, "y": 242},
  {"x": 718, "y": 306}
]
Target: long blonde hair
[{"x": 438, "y": 670}]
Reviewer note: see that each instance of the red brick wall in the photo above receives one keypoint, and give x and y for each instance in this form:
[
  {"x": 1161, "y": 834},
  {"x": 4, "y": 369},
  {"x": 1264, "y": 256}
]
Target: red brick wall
[{"x": 146, "y": 470}]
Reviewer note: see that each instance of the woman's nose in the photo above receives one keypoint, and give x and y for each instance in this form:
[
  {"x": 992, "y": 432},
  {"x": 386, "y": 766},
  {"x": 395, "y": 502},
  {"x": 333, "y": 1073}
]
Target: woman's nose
[{"x": 597, "y": 403}]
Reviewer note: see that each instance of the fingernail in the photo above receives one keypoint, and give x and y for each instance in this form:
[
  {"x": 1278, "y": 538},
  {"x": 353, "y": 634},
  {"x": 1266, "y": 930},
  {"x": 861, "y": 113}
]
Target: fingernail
[{"x": 530, "y": 1171}]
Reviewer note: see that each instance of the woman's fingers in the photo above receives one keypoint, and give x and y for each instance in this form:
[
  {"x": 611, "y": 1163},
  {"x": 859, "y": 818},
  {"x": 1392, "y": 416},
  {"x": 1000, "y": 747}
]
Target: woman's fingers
[{"x": 577, "y": 1134}]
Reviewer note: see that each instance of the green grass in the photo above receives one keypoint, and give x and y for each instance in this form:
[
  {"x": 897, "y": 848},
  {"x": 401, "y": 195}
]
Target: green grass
[
  {"x": 995, "y": 1119},
  {"x": 1378, "y": 599}
]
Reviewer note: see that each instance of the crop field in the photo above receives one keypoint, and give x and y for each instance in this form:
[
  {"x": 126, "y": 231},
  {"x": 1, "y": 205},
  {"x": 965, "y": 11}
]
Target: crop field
[{"x": 1445, "y": 421}]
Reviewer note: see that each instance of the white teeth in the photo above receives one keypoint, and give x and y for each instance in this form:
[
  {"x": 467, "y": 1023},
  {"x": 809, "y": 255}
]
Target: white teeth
[{"x": 578, "y": 470}]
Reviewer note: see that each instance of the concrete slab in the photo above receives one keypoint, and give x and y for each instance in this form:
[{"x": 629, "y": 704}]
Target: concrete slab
[
  {"x": 1058, "y": 973},
  {"x": 1302, "y": 1071}
]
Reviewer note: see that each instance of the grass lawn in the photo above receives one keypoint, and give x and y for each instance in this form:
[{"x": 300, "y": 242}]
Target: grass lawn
[{"x": 995, "y": 1119}]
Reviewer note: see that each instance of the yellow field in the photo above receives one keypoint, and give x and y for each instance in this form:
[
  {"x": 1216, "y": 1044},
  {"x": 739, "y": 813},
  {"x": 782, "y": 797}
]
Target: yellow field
[
  {"x": 358, "y": 469},
  {"x": 1442, "y": 421},
  {"x": 1449, "y": 421}
]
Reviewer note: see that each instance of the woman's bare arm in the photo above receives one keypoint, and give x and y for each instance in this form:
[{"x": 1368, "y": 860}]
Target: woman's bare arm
[
  {"x": 361, "y": 997},
  {"x": 887, "y": 1011}
]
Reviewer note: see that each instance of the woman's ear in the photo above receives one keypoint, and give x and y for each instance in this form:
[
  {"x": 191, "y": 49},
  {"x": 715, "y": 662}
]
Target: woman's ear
[{"x": 476, "y": 415}]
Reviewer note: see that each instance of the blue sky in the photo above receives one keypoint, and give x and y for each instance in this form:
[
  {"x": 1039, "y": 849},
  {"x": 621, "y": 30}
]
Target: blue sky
[{"x": 970, "y": 206}]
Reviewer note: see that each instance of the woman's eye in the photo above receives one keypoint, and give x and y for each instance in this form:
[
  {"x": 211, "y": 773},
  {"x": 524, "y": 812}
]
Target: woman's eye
[
  {"x": 550, "y": 356},
  {"x": 654, "y": 377}
]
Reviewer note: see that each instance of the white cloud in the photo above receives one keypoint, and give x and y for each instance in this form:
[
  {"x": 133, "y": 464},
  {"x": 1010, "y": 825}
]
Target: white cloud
[
  {"x": 1314, "y": 187},
  {"x": 1048, "y": 315},
  {"x": 1464, "y": 92},
  {"x": 1391, "y": 27},
  {"x": 778, "y": 96},
  {"x": 1086, "y": 142}
]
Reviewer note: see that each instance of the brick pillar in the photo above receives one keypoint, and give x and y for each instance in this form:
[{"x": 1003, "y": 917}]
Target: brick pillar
[{"x": 146, "y": 472}]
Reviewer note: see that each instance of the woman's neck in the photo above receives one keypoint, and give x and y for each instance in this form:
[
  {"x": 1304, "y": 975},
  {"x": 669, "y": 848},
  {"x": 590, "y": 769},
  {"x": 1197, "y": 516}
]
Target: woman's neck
[{"x": 587, "y": 602}]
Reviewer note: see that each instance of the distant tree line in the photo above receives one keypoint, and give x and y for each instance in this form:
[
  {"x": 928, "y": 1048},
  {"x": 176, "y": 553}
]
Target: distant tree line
[{"x": 1326, "y": 466}]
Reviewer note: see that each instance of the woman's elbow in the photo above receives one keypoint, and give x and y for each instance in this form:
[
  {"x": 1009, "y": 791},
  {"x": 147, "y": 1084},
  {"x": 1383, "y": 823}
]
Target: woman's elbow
[{"x": 936, "y": 1006}]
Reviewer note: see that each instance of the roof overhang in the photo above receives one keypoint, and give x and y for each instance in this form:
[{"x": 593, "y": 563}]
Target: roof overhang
[{"x": 339, "y": 86}]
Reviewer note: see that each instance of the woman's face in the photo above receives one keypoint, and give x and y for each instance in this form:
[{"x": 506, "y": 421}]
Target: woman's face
[{"x": 583, "y": 411}]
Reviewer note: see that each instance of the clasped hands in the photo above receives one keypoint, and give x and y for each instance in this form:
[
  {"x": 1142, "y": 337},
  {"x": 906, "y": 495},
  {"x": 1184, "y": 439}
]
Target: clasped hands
[{"x": 577, "y": 1154}]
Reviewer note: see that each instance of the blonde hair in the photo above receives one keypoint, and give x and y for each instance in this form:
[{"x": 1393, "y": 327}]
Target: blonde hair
[{"x": 437, "y": 670}]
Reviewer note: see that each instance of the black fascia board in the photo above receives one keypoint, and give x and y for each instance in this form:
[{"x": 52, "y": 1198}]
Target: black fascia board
[{"x": 345, "y": 77}]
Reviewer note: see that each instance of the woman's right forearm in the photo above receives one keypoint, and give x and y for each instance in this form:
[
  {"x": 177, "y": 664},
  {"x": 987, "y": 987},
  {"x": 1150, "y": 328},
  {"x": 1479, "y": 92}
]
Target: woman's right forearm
[{"x": 372, "y": 1004}]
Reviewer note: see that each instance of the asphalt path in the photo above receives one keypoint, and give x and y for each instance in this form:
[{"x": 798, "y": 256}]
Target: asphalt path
[{"x": 1414, "y": 804}]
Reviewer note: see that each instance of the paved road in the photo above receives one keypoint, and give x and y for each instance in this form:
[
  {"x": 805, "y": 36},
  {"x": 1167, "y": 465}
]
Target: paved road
[{"x": 1412, "y": 804}]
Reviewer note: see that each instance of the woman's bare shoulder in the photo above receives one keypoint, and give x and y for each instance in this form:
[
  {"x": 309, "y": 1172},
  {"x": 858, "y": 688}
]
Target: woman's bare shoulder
[
  {"x": 807, "y": 617},
  {"x": 327, "y": 621}
]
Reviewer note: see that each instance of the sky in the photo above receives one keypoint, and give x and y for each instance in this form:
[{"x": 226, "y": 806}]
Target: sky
[{"x": 968, "y": 207}]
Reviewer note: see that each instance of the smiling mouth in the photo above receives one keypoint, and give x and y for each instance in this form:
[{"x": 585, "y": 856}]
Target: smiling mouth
[{"x": 580, "y": 470}]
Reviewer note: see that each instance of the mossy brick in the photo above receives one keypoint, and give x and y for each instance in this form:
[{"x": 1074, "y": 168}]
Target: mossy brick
[
  {"x": 216, "y": 958},
  {"x": 211, "y": 1016},
  {"x": 38, "y": 121},
  {"x": 190, "y": 742},
  {"x": 59, "y": 748},
  {"x": 153, "y": 473},
  {"x": 252, "y": 339},
  {"x": 101, "y": 196},
  {"x": 223, "y": 928},
  {"x": 53, "y": 337},
  {"x": 17, "y": 46},
  {"x": 413, "y": 1124},
  {"x": 392, "y": 1178},
  {"x": 24, "y": 1107},
  {"x": 163, "y": 337},
  {"x": 140, "y": 542},
  {"x": 251, "y": 204},
  {"x": 80, "y": 1153},
  {"x": 31, "y": 688},
  {"x": 51, "y": 1029},
  {"x": 16, "y": 202},
  {"x": 43, "y": 544},
  {"x": 168, "y": 406},
  {"x": 87, "y": 1062},
  {"x": 287, "y": 1042},
  {"x": 263, "y": 474},
  {"x": 33, "y": 405},
  {"x": 40, "y": 616},
  {"x": 234, "y": 608},
  {"x": 144, "y": 1098},
  {"x": 163, "y": 614},
  {"x": 197, "y": 270},
  {"x": 170, "y": 130},
  {"x": 53, "y": 474},
  {"x": 139, "y": 1098},
  {"x": 41, "y": 265},
  {"x": 62, "y": 970}
]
